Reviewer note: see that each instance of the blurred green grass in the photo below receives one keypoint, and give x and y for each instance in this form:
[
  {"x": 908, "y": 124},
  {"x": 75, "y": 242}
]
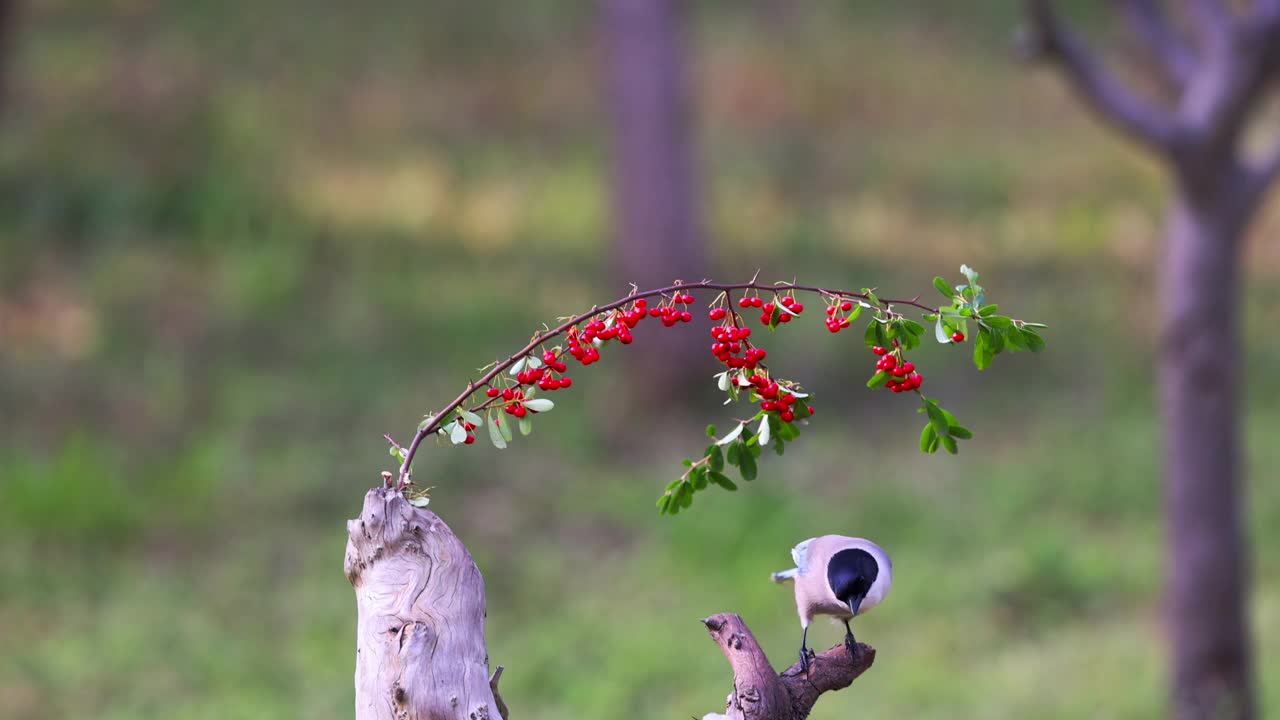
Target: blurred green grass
[{"x": 238, "y": 247}]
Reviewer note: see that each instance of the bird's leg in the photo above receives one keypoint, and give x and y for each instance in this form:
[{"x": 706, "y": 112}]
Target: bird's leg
[
  {"x": 850, "y": 641},
  {"x": 804, "y": 651}
]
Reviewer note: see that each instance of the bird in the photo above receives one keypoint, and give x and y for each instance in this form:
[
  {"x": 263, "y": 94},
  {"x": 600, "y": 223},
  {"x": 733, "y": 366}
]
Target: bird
[{"x": 839, "y": 576}]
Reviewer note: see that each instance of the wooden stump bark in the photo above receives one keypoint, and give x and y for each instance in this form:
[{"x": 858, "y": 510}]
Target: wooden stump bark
[
  {"x": 760, "y": 694},
  {"x": 420, "y": 648}
]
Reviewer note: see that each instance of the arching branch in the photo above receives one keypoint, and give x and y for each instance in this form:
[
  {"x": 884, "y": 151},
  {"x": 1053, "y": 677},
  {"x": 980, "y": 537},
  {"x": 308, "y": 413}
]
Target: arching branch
[
  {"x": 1051, "y": 38},
  {"x": 760, "y": 694},
  {"x": 1150, "y": 22}
]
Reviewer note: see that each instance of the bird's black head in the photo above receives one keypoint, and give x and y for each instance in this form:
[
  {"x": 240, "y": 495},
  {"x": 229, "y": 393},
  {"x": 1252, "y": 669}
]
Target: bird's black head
[{"x": 850, "y": 573}]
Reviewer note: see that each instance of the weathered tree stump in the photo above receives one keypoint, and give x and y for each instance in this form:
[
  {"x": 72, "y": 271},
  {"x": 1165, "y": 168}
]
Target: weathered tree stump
[
  {"x": 420, "y": 649},
  {"x": 760, "y": 694}
]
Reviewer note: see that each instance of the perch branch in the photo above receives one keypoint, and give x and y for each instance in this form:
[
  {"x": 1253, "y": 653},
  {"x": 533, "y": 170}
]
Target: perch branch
[{"x": 760, "y": 694}]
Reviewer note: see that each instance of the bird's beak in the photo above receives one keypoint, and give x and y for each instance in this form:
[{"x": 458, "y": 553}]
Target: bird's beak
[{"x": 854, "y": 603}]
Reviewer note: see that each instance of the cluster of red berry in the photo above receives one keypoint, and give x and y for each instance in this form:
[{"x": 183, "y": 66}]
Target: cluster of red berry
[
  {"x": 835, "y": 321},
  {"x": 775, "y": 398},
  {"x": 671, "y": 314},
  {"x": 904, "y": 372},
  {"x": 512, "y": 397},
  {"x": 730, "y": 342}
]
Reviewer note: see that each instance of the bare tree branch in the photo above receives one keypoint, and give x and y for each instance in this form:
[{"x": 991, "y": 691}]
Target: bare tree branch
[
  {"x": 1090, "y": 79},
  {"x": 1152, "y": 25},
  {"x": 761, "y": 694}
]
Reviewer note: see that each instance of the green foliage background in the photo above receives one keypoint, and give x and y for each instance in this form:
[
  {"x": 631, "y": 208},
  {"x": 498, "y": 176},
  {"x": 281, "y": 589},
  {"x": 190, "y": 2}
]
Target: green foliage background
[{"x": 241, "y": 240}]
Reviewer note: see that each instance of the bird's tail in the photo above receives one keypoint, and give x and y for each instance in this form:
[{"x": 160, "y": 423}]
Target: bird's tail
[{"x": 785, "y": 576}]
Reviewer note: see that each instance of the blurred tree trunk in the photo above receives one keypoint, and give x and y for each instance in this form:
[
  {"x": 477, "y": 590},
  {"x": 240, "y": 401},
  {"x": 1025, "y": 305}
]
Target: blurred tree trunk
[
  {"x": 1207, "y": 573},
  {"x": 656, "y": 237},
  {"x": 1215, "y": 83}
]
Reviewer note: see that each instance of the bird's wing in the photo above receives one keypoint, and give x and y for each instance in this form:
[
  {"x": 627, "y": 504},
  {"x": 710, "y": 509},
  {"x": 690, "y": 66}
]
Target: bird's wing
[
  {"x": 785, "y": 576},
  {"x": 800, "y": 553}
]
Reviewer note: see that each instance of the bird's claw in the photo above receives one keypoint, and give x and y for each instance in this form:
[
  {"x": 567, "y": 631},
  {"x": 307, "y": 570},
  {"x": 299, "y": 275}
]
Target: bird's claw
[{"x": 805, "y": 655}]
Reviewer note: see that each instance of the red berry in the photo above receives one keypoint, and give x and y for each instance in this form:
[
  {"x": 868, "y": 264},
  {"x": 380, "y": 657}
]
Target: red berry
[
  {"x": 878, "y": 350},
  {"x": 910, "y": 367},
  {"x": 470, "y": 439},
  {"x": 915, "y": 379},
  {"x": 548, "y": 356},
  {"x": 492, "y": 392},
  {"x": 768, "y": 405},
  {"x": 797, "y": 308},
  {"x": 757, "y": 302},
  {"x": 810, "y": 409},
  {"x": 508, "y": 394},
  {"x": 686, "y": 316},
  {"x": 831, "y": 309},
  {"x": 566, "y": 382},
  {"x": 833, "y": 327},
  {"x": 784, "y": 318},
  {"x": 520, "y": 411},
  {"x": 787, "y": 416},
  {"x": 957, "y": 336},
  {"x": 846, "y": 306},
  {"x": 717, "y": 313},
  {"x": 787, "y": 301},
  {"x": 744, "y": 302}
]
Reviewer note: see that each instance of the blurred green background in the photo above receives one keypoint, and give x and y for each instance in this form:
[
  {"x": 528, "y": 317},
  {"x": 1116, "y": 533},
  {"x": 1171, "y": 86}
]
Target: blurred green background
[{"x": 241, "y": 240}]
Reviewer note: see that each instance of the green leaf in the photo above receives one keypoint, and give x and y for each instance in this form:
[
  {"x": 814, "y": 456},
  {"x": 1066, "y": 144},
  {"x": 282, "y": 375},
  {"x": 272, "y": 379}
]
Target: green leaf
[
  {"x": 526, "y": 425},
  {"x": 420, "y": 501},
  {"x": 970, "y": 274},
  {"x": 663, "y": 501},
  {"x": 936, "y": 418},
  {"x": 871, "y": 336},
  {"x": 425, "y": 422},
  {"x": 504, "y": 424},
  {"x": 944, "y": 288},
  {"x": 878, "y": 379},
  {"x": 854, "y": 313},
  {"x": 734, "y": 454},
  {"x": 949, "y": 443},
  {"x": 779, "y": 447},
  {"x": 871, "y": 296},
  {"x": 471, "y": 417},
  {"x": 983, "y": 349},
  {"x": 698, "y": 478},
  {"x": 1034, "y": 341},
  {"x": 715, "y": 458},
  {"x": 395, "y": 451},
  {"x": 685, "y": 495},
  {"x": 748, "y": 466},
  {"x": 722, "y": 480},
  {"x": 495, "y": 436},
  {"x": 999, "y": 322},
  {"x": 961, "y": 432},
  {"x": 1014, "y": 338},
  {"x": 786, "y": 431},
  {"x": 929, "y": 439},
  {"x": 912, "y": 326},
  {"x": 722, "y": 381},
  {"x": 518, "y": 366},
  {"x": 711, "y": 431},
  {"x": 988, "y": 310},
  {"x": 733, "y": 434},
  {"x": 539, "y": 404}
]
